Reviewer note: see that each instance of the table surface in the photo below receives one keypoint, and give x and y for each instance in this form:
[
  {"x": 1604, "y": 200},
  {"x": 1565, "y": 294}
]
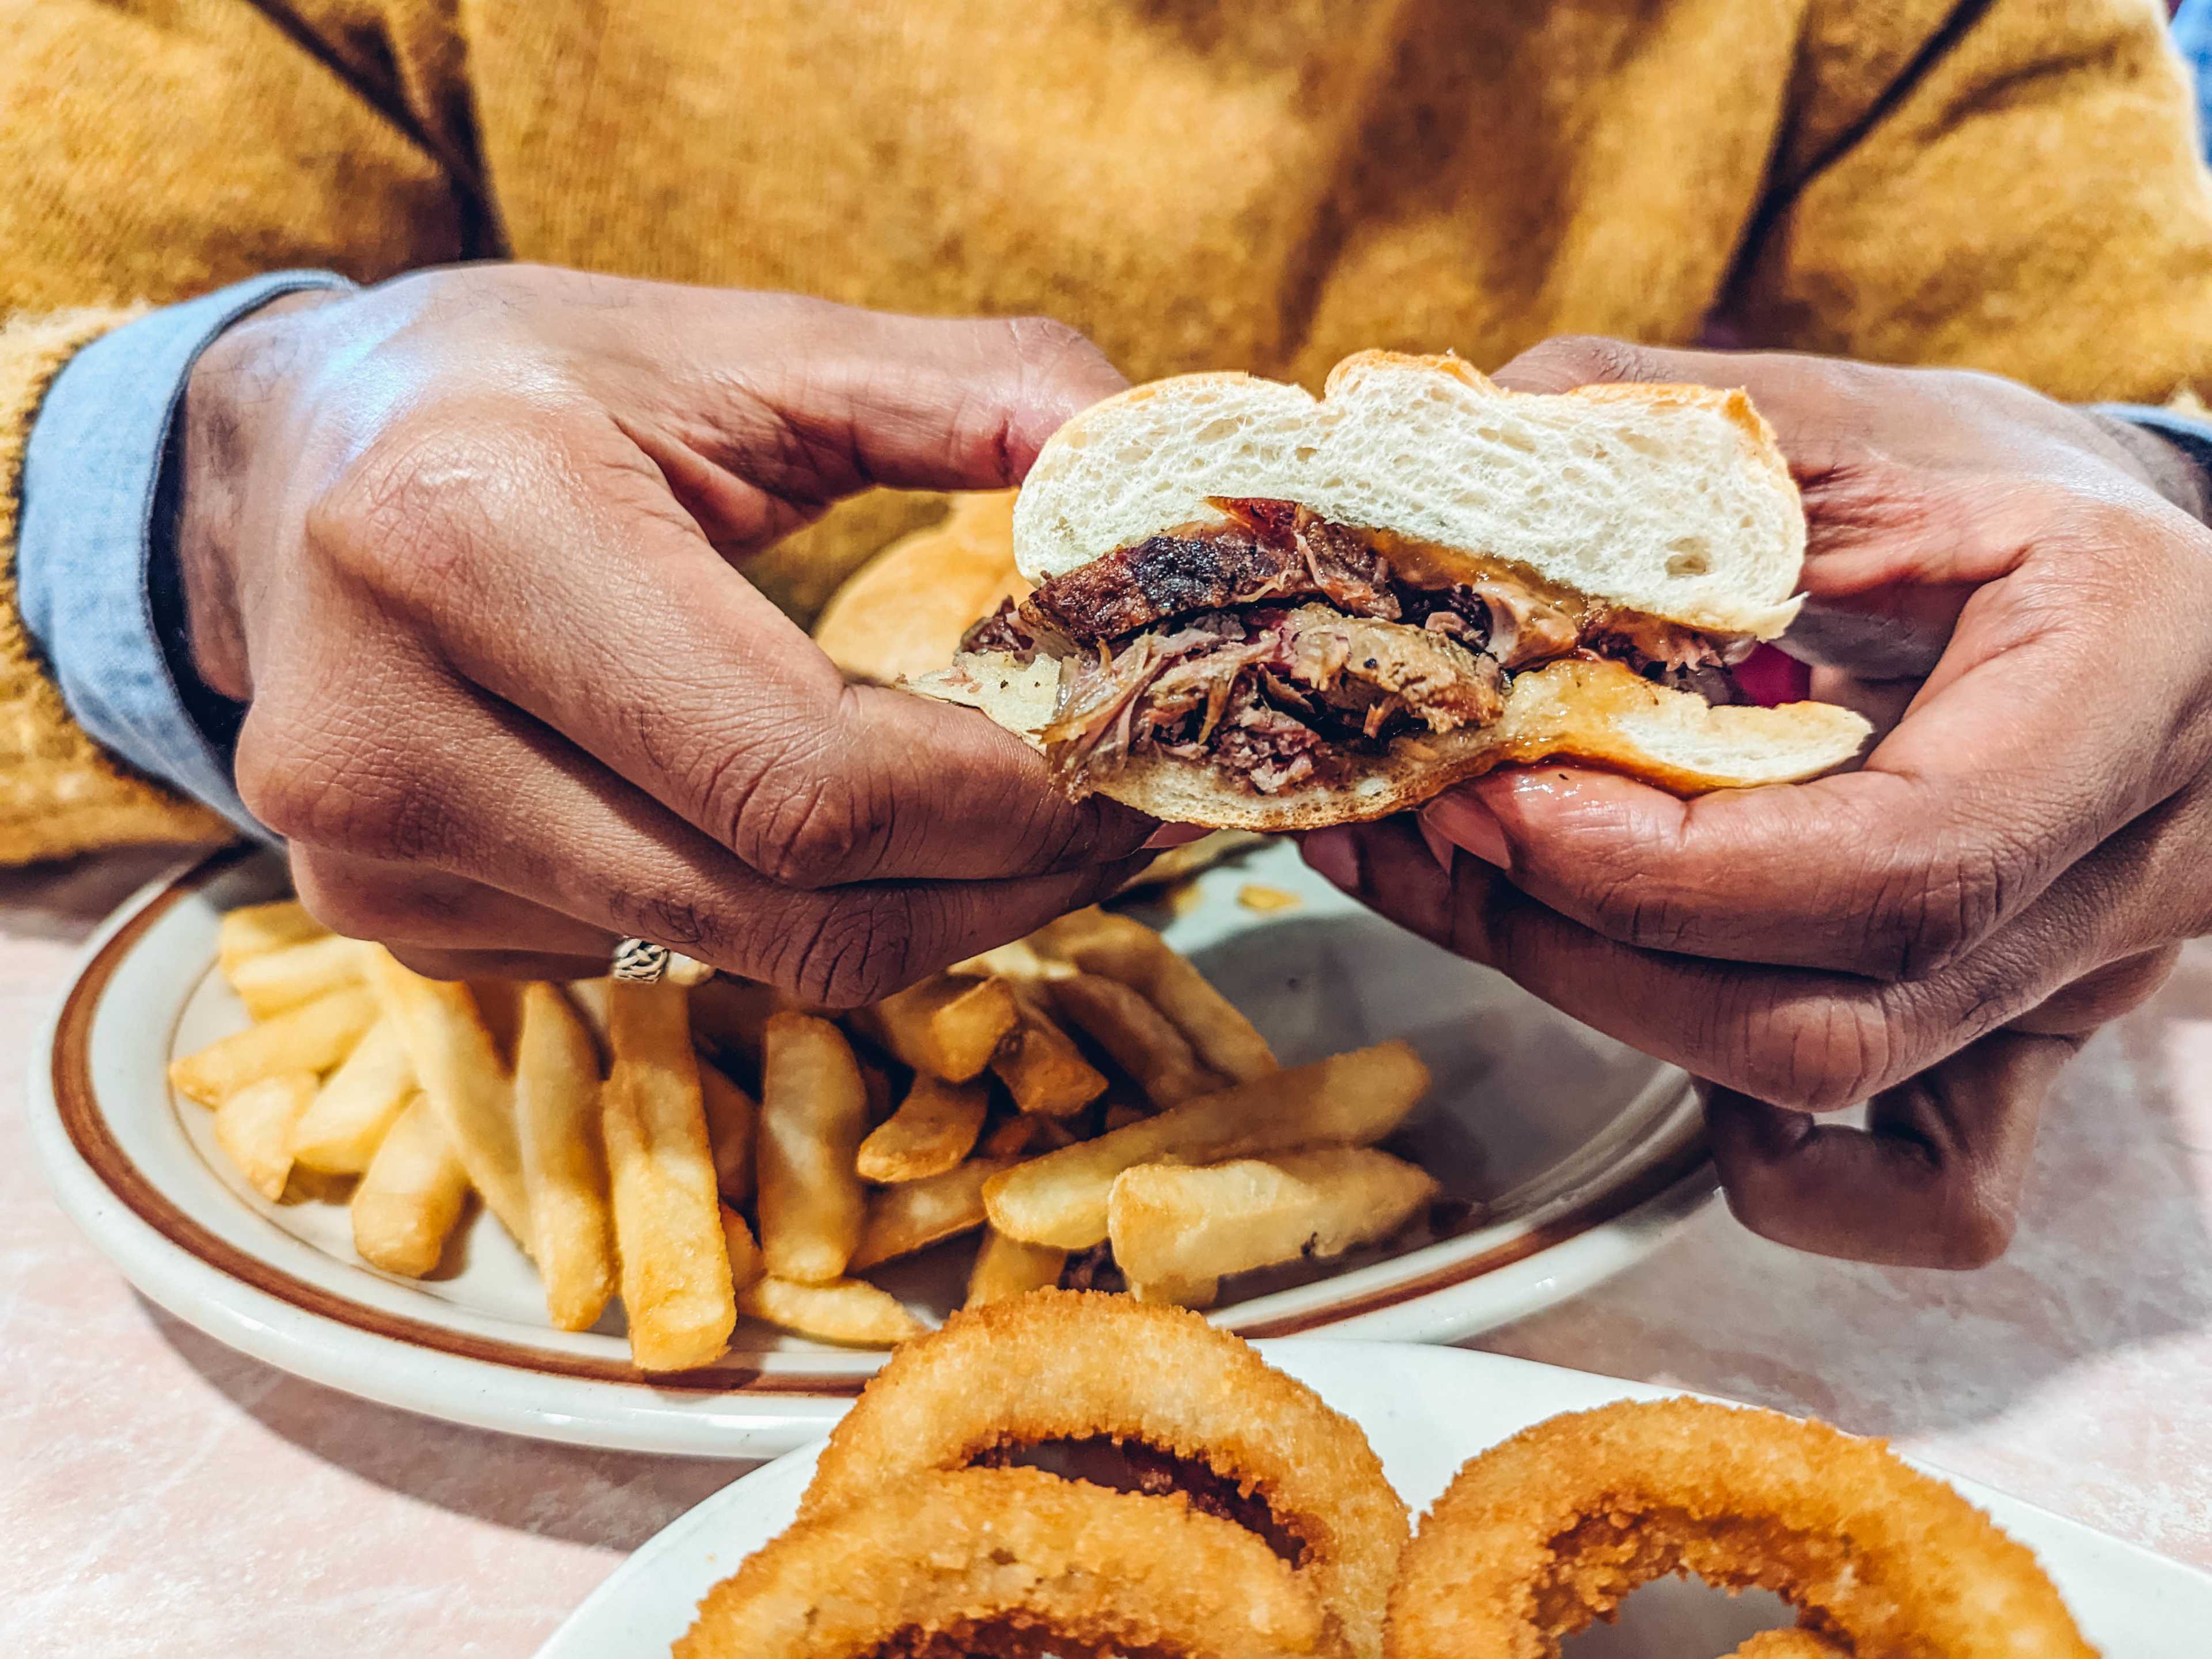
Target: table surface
[{"x": 158, "y": 1494}]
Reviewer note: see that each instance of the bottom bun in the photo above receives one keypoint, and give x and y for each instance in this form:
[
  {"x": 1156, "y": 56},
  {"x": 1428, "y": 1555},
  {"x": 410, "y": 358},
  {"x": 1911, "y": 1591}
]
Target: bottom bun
[{"x": 1601, "y": 713}]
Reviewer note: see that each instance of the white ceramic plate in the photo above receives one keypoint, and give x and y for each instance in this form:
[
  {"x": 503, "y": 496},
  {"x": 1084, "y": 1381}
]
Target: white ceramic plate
[
  {"x": 1571, "y": 1154},
  {"x": 1426, "y": 1410}
]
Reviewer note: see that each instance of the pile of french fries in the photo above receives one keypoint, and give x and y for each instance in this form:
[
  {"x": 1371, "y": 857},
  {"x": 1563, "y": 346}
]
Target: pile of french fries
[{"x": 1084, "y": 1087}]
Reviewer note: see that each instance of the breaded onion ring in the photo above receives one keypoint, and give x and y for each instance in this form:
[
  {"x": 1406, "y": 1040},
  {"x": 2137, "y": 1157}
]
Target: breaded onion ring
[
  {"x": 1553, "y": 1528},
  {"x": 999, "y": 1560},
  {"x": 1066, "y": 1365},
  {"x": 1790, "y": 1644}
]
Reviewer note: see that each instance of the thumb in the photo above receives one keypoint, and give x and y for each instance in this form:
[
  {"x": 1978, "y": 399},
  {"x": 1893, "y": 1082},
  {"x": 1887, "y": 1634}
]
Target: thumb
[{"x": 811, "y": 401}]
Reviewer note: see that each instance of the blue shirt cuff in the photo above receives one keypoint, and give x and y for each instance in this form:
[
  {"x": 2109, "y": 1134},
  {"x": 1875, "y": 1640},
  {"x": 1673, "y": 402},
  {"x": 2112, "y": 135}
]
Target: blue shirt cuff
[
  {"x": 94, "y": 570},
  {"x": 2190, "y": 435}
]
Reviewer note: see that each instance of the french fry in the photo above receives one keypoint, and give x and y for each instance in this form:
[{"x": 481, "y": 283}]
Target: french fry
[
  {"x": 813, "y": 1111},
  {"x": 1121, "y": 1113},
  {"x": 731, "y": 1014},
  {"x": 916, "y": 1214},
  {"x": 933, "y": 1128},
  {"x": 457, "y": 1062},
  {"x": 746, "y": 1263},
  {"x": 732, "y": 1118},
  {"x": 1349, "y": 1099},
  {"x": 965, "y": 1032},
  {"x": 254, "y": 1127},
  {"x": 1041, "y": 1067},
  {"x": 1019, "y": 961},
  {"x": 1174, "y": 1226},
  {"x": 271, "y": 981},
  {"x": 1007, "y": 1267},
  {"x": 846, "y": 1310},
  {"x": 349, "y": 1117},
  {"x": 876, "y": 1081},
  {"x": 499, "y": 1005},
  {"x": 1010, "y": 1137},
  {"x": 311, "y": 1037},
  {"x": 1177, "y": 1293},
  {"x": 1120, "y": 947},
  {"x": 1140, "y": 1037},
  {"x": 589, "y": 998},
  {"x": 251, "y": 930},
  {"x": 406, "y": 1205},
  {"x": 1023, "y": 1133},
  {"x": 557, "y": 1123},
  {"x": 947, "y": 1026},
  {"x": 669, "y": 1235}
]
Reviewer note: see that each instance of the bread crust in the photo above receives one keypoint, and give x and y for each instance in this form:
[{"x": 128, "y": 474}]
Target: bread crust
[
  {"x": 1268, "y": 435},
  {"x": 1596, "y": 713}
]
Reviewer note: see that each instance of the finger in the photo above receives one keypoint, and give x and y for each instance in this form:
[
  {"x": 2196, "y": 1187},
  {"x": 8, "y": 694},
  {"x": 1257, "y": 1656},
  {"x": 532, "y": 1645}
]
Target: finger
[
  {"x": 434, "y": 964},
  {"x": 1933, "y": 1181},
  {"x": 806, "y": 401},
  {"x": 1792, "y": 1035},
  {"x": 643, "y": 647},
  {"x": 1998, "y": 779},
  {"x": 508, "y": 804},
  {"x": 407, "y": 906}
]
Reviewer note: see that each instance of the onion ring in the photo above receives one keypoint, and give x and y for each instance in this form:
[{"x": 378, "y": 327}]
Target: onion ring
[
  {"x": 1553, "y": 1528},
  {"x": 1062, "y": 1365},
  {"x": 999, "y": 1560},
  {"x": 1790, "y": 1644}
]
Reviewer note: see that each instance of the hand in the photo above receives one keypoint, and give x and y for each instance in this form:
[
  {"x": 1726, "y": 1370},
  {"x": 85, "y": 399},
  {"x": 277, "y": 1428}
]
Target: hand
[
  {"x": 2016, "y": 863},
  {"x": 465, "y": 543}
]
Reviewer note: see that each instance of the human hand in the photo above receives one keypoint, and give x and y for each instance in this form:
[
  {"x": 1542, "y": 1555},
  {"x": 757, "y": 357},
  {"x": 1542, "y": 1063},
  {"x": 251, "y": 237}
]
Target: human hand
[
  {"x": 465, "y": 543},
  {"x": 1995, "y": 579}
]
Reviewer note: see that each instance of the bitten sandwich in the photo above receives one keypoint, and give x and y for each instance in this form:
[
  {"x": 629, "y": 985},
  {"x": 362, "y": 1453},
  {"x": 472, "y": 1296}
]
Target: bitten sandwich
[{"x": 1251, "y": 608}]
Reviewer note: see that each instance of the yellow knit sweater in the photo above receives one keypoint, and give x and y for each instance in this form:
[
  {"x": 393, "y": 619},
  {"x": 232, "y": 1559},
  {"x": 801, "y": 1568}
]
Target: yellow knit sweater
[{"x": 1197, "y": 184}]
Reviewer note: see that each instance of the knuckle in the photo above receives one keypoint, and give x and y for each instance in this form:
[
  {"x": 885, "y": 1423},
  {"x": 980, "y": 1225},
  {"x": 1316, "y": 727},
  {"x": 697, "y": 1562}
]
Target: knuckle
[
  {"x": 1586, "y": 360},
  {"x": 847, "y": 955},
  {"x": 1821, "y": 1054},
  {"x": 801, "y": 824},
  {"x": 691, "y": 925},
  {"x": 1626, "y": 907},
  {"x": 341, "y": 899},
  {"x": 317, "y": 779},
  {"x": 404, "y": 516},
  {"x": 1928, "y": 912},
  {"x": 1046, "y": 346},
  {"x": 1977, "y": 1230}
]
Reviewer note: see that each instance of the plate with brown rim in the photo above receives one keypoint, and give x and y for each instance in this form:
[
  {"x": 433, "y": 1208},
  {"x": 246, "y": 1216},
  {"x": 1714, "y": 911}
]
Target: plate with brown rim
[{"x": 1564, "y": 1157}]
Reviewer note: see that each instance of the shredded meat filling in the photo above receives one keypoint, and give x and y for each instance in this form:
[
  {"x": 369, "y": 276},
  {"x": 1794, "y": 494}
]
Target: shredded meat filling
[
  {"x": 1268, "y": 694},
  {"x": 1183, "y": 645}
]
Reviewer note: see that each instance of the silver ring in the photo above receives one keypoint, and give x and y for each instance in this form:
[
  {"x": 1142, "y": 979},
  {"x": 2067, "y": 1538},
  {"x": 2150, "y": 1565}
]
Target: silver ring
[{"x": 641, "y": 961}]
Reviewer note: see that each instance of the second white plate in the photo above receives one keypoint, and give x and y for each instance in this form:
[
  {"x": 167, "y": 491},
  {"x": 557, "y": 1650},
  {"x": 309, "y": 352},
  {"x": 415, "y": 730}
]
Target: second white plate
[{"x": 1426, "y": 1410}]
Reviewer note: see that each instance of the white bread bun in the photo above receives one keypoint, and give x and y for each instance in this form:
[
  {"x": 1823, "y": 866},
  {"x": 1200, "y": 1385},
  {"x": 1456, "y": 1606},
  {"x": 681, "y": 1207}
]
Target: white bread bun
[
  {"x": 1600, "y": 713},
  {"x": 902, "y": 613},
  {"x": 1670, "y": 500}
]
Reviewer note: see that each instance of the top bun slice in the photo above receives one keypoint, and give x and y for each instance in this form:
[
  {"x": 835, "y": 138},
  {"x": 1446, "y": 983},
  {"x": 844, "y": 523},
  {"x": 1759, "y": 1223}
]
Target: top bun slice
[
  {"x": 1671, "y": 503},
  {"x": 1674, "y": 500}
]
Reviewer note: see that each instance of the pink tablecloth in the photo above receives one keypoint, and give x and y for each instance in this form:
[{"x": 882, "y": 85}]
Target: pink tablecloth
[{"x": 159, "y": 1494}]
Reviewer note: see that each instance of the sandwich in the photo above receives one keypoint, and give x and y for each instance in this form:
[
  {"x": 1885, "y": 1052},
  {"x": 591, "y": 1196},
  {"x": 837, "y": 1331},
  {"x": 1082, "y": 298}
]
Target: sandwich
[
  {"x": 903, "y": 613},
  {"x": 1252, "y": 608}
]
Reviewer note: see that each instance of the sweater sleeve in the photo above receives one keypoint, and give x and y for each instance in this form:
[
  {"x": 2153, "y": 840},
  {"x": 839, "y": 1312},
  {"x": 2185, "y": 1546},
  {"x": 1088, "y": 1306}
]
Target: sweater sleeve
[
  {"x": 2013, "y": 185},
  {"x": 157, "y": 150}
]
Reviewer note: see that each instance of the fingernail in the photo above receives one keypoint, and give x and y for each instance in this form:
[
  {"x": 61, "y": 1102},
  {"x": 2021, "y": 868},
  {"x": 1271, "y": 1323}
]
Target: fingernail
[
  {"x": 1439, "y": 850},
  {"x": 1176, "y": 835},
  {"x": 1335, "y": 854},
  {"x": 1464, "y": 821}
]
